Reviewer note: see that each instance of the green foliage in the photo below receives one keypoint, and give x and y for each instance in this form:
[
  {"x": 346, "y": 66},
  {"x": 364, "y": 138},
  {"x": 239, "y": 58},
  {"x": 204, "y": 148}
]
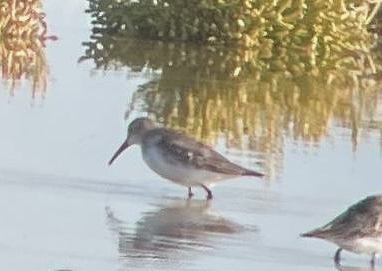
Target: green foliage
[
  {"x": 245, "y": 22},
  {"x": 294, "y": 77}
]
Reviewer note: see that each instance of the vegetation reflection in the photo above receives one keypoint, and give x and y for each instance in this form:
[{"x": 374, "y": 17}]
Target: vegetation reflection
[
  {"x": 23, "y": 32},
  {"x": 253, "y": 99}
]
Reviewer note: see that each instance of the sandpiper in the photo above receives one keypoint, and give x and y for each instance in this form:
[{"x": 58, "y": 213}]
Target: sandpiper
[
  {"x": 358, "y": 229},
  {"x": 179, "y": 158}
]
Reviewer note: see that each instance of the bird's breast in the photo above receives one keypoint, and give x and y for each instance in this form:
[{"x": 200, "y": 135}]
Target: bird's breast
[{"x": 181, "y": 172}]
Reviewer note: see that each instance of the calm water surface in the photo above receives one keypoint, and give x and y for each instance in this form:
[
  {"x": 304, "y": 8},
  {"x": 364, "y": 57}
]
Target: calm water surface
[{"x": 63, "y": 208}]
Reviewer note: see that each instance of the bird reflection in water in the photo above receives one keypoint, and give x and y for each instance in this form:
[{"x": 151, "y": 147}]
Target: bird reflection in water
[{"x": 166, "y": 232}]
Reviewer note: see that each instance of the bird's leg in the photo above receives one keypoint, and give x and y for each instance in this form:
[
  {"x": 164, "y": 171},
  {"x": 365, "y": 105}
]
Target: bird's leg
[
  {"x": 373, "y": 259},
  {"x": 190, "y": 194},
  {"x": 337, "y": 256},
  {"x": 209, "y": 193}
]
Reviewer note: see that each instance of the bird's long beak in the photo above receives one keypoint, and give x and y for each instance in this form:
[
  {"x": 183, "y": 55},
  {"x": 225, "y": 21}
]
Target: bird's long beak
[{"x": 123, "y": 147}]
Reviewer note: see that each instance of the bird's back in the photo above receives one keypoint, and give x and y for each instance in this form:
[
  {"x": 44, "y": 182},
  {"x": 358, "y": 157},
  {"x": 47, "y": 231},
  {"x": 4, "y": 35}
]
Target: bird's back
[
  {"x": 363, "y": 219},
  {"x": 180, "y": 148}
]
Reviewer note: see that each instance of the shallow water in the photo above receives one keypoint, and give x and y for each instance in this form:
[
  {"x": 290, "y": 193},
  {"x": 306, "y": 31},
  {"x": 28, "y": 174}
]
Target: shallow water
[{"x": 63, "y": 208}]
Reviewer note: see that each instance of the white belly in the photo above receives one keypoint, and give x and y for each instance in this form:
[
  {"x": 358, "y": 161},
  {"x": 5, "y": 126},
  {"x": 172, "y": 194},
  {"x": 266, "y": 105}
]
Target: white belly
[
  {"x": 363, "y": 245},
  {"x": 177, "y": 172}
]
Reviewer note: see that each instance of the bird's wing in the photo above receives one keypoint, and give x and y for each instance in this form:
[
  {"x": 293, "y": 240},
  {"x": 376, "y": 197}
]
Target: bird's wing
[
  {"x": 186, "y": 149},
  {"x": 361, "y": 219}
]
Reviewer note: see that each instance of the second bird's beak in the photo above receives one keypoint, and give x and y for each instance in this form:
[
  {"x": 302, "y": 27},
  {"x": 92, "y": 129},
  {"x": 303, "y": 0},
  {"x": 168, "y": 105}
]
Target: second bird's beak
[{"x": 123, "y": 147}]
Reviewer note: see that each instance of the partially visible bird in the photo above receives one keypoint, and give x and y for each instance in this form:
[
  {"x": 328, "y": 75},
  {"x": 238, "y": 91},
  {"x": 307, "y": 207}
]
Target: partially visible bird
[
  {"x": 358, "y": 229},
  {"x": 180, "y": 158}
]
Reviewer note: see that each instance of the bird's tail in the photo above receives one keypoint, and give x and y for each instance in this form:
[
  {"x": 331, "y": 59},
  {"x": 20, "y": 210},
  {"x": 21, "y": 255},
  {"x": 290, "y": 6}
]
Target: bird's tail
[
  {"x": 249, "y": 172},
  {"x": 316, "y": 233}
]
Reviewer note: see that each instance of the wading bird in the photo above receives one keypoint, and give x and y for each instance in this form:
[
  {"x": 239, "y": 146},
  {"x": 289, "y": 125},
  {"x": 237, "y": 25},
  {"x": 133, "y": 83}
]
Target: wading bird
[
  {"x": 180, "y": 158},
  {"x": 358, "y": 229}
]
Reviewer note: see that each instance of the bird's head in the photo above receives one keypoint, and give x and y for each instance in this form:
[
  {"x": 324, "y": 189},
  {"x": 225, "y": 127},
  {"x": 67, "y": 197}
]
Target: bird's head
[{"x": 137, "y": 128}]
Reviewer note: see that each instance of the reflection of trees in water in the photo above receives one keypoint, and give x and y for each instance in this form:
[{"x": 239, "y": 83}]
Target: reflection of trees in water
[
  {"x": 258, "y": 115},
  {"x": 252, "y": 99},
  {"x": 166, "y": 233},
  {"x": 22, "y": 35}
]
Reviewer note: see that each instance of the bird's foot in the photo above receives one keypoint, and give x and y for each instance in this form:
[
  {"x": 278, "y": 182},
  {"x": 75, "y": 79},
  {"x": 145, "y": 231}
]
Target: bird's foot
[
  {"x": 337, "y": 256},
  {"x": 373, "y": 260},
  {"x": 190, "y": 194},
  {"x": 209, "y": 193}
]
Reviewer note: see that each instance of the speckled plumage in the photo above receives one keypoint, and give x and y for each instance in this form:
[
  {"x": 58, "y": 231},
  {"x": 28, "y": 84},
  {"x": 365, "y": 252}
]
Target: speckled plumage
[{"x": 180, "y": 158}]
